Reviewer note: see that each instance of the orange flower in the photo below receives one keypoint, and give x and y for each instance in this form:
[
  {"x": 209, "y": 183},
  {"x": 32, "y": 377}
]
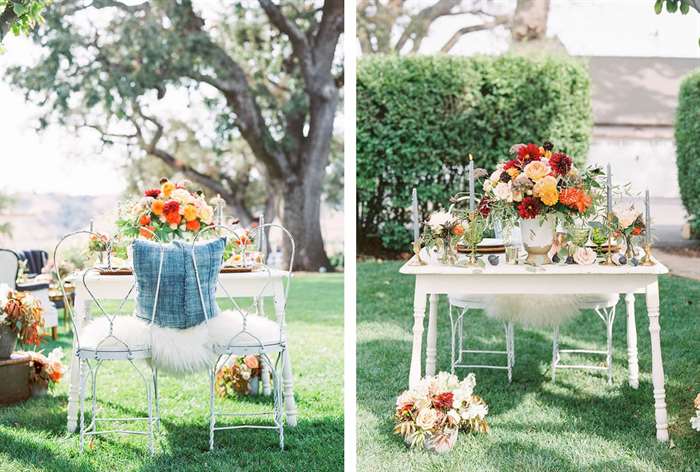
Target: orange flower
[
  {"x": 575, "y": 198},
  {"x": 251, "y": 362},
  {"x": 55, "y": 374},
  {"x": 157, "y": 207},
  {"x": 458, "y": 230},
  {"x": 173, "y": 218},
  {"x": 147, "y": 231},
  {"x": 144, "y": 220},
  {"x": 636, "y": 231},
  {"x": 167, "y": 189},
  {"x": 193, "y": 225},
  {"x": 190, "y": 212}
]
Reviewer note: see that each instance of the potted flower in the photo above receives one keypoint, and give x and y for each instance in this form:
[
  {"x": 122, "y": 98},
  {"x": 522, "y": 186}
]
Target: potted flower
[
  {"x": 538, "y": 186},
  {"x": 21, "y": 316},
  {"x": 627, "y": 223},
  {"x": 430, "y": 415},
  {"x": 441, "y": 232},
  {"x": 240, "y": 375}
]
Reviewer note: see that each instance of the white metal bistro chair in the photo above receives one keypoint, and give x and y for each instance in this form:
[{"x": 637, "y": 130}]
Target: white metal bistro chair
[
  {"x": 460, "y": 305},
  {"x": 251, "y": 333},
  {"x": 111, "y": 337},
  {"x": 602, "y": 305}
]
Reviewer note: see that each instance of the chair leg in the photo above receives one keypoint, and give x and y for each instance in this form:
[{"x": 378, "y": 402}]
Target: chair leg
[
  {"x": 279, "y": 397},
  {"x": 452, "y": 341},
  {"x": 82, "y": 376},
  {"x": 155, "y": 395},
  {"x": 609, "y": 320},
  {"x": 555, "y": 353},
  {"x": 508, "y": 353},
  {"x": 512, "y": 343},
  {"x": 212, "y": 416}
]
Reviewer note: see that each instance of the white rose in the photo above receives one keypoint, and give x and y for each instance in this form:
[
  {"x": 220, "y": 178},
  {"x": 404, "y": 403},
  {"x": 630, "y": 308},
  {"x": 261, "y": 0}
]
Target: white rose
[
  {"x": 426, "y": 418},
  {"x": 626, "y": 215},
  {"x": 584, "y": 256},
  {"x": 439, "y": 219},
  {"x": 502, "y": 191},
  {"x": 475, "y": 411},
  {"x": 406, "y": 398},
  {"x": 488, "y": 185},
  {"x": 695, "y": 422}
]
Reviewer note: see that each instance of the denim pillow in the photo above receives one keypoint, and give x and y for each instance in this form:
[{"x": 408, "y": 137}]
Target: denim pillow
[{"x": 179, "y": 302}]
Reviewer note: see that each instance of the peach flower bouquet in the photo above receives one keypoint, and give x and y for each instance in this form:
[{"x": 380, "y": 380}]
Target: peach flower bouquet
[
  {"x": 431, "y": 415},
  {"x": 240, "y": 375}
]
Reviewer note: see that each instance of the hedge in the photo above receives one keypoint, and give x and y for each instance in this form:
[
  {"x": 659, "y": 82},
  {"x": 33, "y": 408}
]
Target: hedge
[
  {"x": 688, "y": 147},
  {"x": 419, "y": 117}
]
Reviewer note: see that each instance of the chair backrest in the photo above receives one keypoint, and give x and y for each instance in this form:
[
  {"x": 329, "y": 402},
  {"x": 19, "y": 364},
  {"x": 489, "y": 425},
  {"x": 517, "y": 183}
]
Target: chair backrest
[
  {"x": 36, "y": 260},
  {"x": 184, "y": 301},
  {"x": 9, "y": 267},
  {"x": 111, "y": 340}
]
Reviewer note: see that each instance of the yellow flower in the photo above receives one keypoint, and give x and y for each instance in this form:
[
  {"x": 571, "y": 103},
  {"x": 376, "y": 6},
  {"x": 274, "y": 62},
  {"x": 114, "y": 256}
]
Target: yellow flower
[
  {"x": 536, "y": 170},
  {"x": 167, "y": 189},
  {"x": 549, "y": 196},
  {"x": 545, "y": 184},
  {"x": 190, "y": 212},
  {"x": 513, "y": 172}
]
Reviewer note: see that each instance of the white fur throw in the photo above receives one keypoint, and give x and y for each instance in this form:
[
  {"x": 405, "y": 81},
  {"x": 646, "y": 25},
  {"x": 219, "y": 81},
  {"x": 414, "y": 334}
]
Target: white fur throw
[
  {"x": 532, "y": 310},
  {"x": 180, "y": 351}
]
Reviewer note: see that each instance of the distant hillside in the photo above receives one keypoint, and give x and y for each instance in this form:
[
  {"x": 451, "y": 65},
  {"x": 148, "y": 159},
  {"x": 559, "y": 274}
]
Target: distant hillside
[{"x": 39, "y": 220}]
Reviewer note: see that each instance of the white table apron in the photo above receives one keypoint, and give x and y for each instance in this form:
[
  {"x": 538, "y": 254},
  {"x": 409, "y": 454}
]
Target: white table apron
[
  {"x": 236, "y": 284},
  {"x": 435, "y": 279}
]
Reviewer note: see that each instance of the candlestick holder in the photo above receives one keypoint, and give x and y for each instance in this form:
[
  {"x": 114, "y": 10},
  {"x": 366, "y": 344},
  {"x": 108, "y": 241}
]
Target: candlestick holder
[
  {"x": 416, "y": 246},
  {"x": 647, "y": 260},
  {"x": 608, "y": 257}
]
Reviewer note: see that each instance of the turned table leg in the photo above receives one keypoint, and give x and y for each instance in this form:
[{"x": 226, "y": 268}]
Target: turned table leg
[
  {"x": 632, "y": 359},
  {"x": 80, "y": 314},
  {"x": 657, "y": 368},
  {"x": 418, "y": 315},
  {"x": 431, "y": 345}
]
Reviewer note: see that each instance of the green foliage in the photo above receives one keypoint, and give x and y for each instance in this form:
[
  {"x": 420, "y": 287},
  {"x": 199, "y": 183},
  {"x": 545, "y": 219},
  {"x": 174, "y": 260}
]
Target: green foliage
[
  {"x": 418, "y": 119},
  {"x": 26, "y": 14},
  {"x": 688, "y": 146}
]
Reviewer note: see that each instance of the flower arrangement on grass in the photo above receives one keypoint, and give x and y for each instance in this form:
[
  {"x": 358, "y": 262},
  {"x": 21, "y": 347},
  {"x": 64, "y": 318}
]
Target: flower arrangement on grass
[
  {"x": 173, "y": 211},
  {"x": 695, "y": 420},
  {"x": 23, "y": 315},
  {"x": 431, "y": 415},
  {"x": 46, "y": 371},
  {"x": 239, "y": 376},
  {"x": 537, "y": 182}
]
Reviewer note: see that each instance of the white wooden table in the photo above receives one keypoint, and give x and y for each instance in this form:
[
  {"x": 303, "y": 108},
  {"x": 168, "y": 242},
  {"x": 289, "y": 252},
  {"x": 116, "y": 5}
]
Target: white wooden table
[
  {"x": 434, "y": 279},
  {"x": 250, "y": 284}
]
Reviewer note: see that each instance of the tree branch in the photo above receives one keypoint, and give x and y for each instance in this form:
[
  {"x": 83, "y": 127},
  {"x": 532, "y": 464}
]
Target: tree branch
[
  {"x": 501, "y": 20},
  {"x": 417, "y": 28},
  {"x": 7, "y": 17},
  {"x": 99, "y": 4}
]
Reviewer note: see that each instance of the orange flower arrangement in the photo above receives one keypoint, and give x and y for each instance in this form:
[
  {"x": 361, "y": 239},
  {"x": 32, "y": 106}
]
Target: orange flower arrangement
[
  {"x": 236, "y": 376},
  {"x": 24, "y": 315},
  {"x": 47, "y": 370}
]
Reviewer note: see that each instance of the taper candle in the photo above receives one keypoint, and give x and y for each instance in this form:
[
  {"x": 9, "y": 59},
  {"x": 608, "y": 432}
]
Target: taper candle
[
  {"x": 472, "y": 201},
  {"x": 414, "y": 215},
  {"x": 609, "y": 189},
  {"x": 647, "y": 217}
]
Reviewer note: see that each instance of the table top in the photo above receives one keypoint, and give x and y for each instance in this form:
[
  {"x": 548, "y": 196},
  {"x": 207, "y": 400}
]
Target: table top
[
  {"x": 96, "y": 277},
  {"x": 434, "y": 267}
]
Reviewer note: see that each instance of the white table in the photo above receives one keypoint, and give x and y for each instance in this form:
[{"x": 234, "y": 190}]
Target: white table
[
  {"x": 250, "y": 284},
  {"x": 434, "y": 279}
]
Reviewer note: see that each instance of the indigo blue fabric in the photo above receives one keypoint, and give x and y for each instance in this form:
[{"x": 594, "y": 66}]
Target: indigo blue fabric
[{"x": 179, "y": 303}]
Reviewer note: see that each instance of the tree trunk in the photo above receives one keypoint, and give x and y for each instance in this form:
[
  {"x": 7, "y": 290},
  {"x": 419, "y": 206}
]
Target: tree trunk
[
  {"x": 530, "y": 20},
  {"x": 7, "y": 17}
]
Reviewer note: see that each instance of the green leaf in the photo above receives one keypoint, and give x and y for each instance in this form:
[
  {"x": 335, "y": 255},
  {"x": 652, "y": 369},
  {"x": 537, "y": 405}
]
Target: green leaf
[
  {"x": 685, "y": 7},
  {"x": 658, "y": 6},
  {"x": 19, "y": 8},
  {"x": 671, "y": 6}
]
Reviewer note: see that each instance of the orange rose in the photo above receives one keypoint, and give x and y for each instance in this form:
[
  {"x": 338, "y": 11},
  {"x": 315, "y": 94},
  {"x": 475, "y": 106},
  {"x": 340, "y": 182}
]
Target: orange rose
[
  {"x": 458, "y": 230},
  {"x": 251, "y": 362},
  {"x": 193, "y": 225},
  {"x": 167, "y": 189},
  {"x": 173, "y": 218},
  {"x": 190, "y": 212},
  {"x": 144, "y": 220},
  {"x": 147, "y": 231},
  {"x": 636, "y": 231},
  {"x": 157, "y": 207}
]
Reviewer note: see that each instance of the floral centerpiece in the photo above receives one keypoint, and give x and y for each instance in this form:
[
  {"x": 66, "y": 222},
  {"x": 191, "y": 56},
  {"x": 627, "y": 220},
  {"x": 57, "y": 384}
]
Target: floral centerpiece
[
  {"x": 45, "y": 371},
  {"x": 431, "y": 414},
  {"x": 172, "y": 211},
  {"x": 441, "y": 232},
  {"x": 240, "y": 375},
  {"x": 695, "y": 420},
  {"x": 241, "y": 250},
  {"x": 536, "y": 186},
  {"x": 627, "y": 223},
  {"x": 21, "y": 317}
]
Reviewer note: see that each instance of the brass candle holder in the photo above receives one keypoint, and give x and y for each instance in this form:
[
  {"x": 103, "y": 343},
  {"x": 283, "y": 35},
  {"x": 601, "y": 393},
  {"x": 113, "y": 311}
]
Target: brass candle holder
[
  {"x": 647, "y": 260},
  {"x": 417, "y": 246}
]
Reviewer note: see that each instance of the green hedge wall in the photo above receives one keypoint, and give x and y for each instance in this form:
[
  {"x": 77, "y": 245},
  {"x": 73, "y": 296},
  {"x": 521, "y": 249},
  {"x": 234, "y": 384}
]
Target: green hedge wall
[
  {"x": 418, "y": 118},
  {"x": 688, "y": 147}
]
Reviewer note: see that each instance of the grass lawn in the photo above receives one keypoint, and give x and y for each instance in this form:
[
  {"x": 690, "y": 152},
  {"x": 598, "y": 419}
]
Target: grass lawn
[
  {"x": 579, "y": 423},
  {"x": 33, "y": 434}
]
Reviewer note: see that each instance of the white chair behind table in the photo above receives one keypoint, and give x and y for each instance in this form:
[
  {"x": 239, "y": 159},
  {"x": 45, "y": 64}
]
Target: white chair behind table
[
  {"x": 240, "y": 332},
  {"x": 111, "y": 337},
  {"x": 602, "y": 305},
  {"x": 9, "y": 267}
]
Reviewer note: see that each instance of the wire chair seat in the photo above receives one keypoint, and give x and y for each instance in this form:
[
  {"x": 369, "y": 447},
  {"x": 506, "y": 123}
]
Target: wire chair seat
[
  {"x": 261, "y": 335},
  {"x": 124, "y": 338}
]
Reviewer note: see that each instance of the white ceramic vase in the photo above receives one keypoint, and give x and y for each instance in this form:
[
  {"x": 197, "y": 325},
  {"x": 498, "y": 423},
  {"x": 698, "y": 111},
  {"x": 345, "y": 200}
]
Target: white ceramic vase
[{"x": 538, "y": 235}]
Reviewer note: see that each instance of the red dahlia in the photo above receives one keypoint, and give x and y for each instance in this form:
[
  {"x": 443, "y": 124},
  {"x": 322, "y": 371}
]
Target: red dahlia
[
  {"x": 153, "y": 192},
  {"x": 529, "y": 152},
  {"x": 560, "y": 163},
  {"x": 484, "y": 207},
  {"x": 529, "y": 208},
  {"x": 171, "y": 206},
  {"x": 510, "y": 164},
  {"x": 443, "y": 401}
]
